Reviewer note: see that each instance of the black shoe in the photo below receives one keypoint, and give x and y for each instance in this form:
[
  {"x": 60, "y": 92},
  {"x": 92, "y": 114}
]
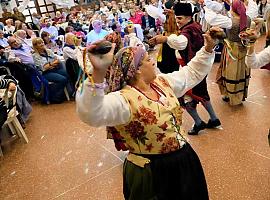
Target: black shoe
[
  {"x": 195, "y": 130},
  {"x": 213, "y": 124},
  {"x": 226, "y": 99}
]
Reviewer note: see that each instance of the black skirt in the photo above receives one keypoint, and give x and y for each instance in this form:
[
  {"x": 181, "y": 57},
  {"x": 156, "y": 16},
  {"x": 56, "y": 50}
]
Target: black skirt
[{"x": 174, "y": 176}]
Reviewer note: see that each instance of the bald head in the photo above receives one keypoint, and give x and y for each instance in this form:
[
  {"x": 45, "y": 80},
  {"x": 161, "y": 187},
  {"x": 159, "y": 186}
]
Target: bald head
[
  {"x": 21, "y": 34},
  {"x": 69, "y": 38}
]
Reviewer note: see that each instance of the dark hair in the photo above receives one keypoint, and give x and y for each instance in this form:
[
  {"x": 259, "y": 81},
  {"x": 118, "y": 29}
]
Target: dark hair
[
  {"x": 114, "y": 26},
  {"x": 126, "y": 30},
  {"x": 43, "y": 35}
]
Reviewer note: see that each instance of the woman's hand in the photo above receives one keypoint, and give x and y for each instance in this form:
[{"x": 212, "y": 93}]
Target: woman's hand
[
  {"x": 55, "y": 63},
  {"x": 100, "y": 62}
]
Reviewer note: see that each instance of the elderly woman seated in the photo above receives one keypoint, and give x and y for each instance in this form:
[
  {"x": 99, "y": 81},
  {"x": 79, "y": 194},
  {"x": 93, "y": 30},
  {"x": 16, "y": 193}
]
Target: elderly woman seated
[
  {"x": 52, "y": 70},
  {"x": 49, "y": 43}
]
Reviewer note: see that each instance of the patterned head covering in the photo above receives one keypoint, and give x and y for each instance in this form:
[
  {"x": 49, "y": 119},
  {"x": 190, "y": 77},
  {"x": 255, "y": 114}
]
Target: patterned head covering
[
  {"x": 124, "y": 67},
  {"x": 239, "y": 8},
  {"x": 115, "y": 37}
]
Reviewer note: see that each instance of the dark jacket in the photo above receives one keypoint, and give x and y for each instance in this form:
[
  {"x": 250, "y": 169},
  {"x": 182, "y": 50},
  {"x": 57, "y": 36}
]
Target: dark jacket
[{"x": 151, "y": 20}]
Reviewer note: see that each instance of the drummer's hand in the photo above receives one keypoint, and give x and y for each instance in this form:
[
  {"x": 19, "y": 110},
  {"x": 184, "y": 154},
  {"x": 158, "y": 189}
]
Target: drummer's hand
[
  {"x": 102, "y": 61},
  {"x": 159, "y": 39}
]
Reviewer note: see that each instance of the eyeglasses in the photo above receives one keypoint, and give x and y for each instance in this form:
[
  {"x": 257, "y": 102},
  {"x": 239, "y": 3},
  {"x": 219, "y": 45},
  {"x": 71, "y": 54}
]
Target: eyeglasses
[{"x": 13, "y": 42}]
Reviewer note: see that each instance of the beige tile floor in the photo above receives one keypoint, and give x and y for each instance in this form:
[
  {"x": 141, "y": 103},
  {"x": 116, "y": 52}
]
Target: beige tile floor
[{"x": 66, "y": 159}]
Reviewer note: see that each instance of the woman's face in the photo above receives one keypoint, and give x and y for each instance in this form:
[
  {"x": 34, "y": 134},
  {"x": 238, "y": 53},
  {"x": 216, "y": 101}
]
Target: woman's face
[
  {"x": 47, "y": 38},
  {"x": 40, "y": 46},
  {"x": 147, "y": 69},
  {"x": 24, "y": 27}
]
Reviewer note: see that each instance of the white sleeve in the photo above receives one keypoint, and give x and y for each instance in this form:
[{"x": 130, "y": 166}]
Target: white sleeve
[
  {"x": 139, "y": 31},
  {"x": 187, "y": 77},
  {"x": 178, "y": 42},
  {"x": 214, "y": 19},
  {"x": 101, "y": 110},
  {"x": 256, "y": 61}
]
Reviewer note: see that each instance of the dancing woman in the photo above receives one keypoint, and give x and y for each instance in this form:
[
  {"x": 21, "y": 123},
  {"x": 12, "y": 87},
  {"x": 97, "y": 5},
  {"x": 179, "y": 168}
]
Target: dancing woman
[{"x": 145, "y": 118}]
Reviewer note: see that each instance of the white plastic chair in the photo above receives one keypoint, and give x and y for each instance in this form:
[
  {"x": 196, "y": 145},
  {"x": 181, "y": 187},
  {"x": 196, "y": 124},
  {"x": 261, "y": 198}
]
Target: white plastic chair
[{"x": 12, "y": 121}]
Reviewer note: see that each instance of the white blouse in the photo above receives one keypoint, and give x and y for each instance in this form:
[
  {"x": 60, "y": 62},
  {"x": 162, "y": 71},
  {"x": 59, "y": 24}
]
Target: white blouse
[
  {"x": 256, "y": 61},
  {"x": 216, "y": 19},
  {"x": 112, "y": 109}
]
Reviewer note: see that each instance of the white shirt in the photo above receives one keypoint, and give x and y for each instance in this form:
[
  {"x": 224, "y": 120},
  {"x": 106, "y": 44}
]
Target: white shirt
[
  {"x": 112, "y": 109},
  {"x": 70, "y": 53},
  {"x": 178, "y": 42},
  {"x": 9, "y": 30},
  {"x": 214, "y": 19},
  {"x": 252, "y": 9},
  {"x": 92, "y": 36},
  {"x": 256, "y": 61},
  {"x": 52, "y": 30}
]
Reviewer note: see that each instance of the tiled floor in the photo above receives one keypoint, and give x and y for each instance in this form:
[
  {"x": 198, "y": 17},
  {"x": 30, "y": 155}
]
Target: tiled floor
[{"x": 66, "y": 159}]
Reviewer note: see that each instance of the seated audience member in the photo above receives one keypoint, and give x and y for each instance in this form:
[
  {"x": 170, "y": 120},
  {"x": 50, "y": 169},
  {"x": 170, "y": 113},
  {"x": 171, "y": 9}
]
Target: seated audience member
[
  {"x": 36, "y": 21},
  {"x": 6, "y": 14},
  {"x": 22, "y": 36},
  {"x": 97, "y": 33},
  {"x": 131, "y": 38},
  {"x": 3, "y": 40},
  {"x": 20, "y": 52},
  {"x": 51, "y": 69},
  {"x": 29, "y": 33},
  {"x": 9, "y": 83},
  {"x": 17, "y": 15},
  {"x": 20, "y": 64},
  {"x": 49, "y": 43},
  {"x": 52, "y": 30},
  {"x": 59, "y": 18},
  {"x": 9, "y": 28},
  {"x": 70, "y": 55},
  {"x": 148, "y": 22}
]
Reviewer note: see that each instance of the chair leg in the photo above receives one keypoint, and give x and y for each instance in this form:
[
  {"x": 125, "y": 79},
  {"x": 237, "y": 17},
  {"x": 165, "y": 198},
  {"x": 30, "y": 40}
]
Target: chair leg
[
  {"x": 1, "y": 152},
  {"x": 66, "y": 93},
  {"x": 20, "y": 130},
  {"x": 11, "y": 127}
]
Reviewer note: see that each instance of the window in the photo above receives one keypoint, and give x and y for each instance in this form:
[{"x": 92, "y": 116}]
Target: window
[{"x": 38, "y": 6}]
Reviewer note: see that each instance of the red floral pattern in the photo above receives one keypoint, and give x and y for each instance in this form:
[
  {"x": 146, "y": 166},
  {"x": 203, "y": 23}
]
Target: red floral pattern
[
  {"x": 136, "y": 131},
  {"x": 146, "y": 115},
  {"x": 119, "y": 140},
  {"x": 170, "y": 145},
  {"x": 164, "y": 126},
  {"x": 149, "y": 147},
  {"x": 160, "y": 136}
]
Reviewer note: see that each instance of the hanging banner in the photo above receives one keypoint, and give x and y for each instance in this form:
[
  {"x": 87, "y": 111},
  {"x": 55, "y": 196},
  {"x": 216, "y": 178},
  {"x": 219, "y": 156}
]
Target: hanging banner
[{"x": 63, "y": 3}]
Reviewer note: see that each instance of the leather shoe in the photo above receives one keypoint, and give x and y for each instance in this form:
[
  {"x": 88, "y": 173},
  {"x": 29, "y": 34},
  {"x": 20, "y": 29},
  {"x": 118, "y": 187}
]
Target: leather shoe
[
  {"x": 213, "y": 124},
  {"x": 196, "y": 128}
]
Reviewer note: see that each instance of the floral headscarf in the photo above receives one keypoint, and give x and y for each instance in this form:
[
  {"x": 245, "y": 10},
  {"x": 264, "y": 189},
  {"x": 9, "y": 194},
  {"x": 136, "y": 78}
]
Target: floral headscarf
[
  {"x": 239, "y": 8},
  {"x": 124, "y": 67}
]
